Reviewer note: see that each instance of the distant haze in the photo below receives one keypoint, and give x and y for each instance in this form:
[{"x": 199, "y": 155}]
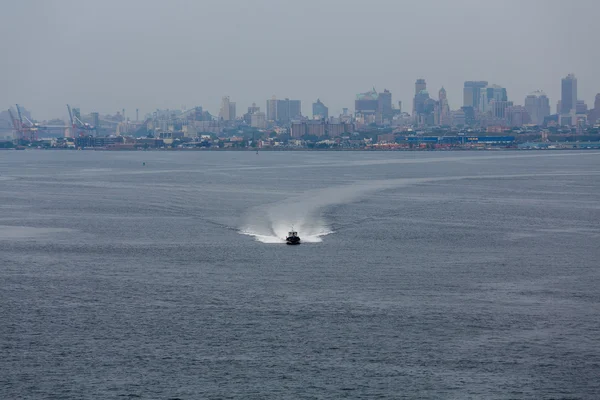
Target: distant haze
[{"x": 106, "y": 55}]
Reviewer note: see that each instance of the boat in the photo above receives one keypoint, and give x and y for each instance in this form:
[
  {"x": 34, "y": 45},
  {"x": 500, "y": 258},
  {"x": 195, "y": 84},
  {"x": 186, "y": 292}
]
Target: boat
[{"x": 292, "y": 237}]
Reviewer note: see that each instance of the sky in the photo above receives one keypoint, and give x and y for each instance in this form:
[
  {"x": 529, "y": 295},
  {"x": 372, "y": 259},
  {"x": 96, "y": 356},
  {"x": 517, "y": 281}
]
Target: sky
[{"x": 106, "y": 55}]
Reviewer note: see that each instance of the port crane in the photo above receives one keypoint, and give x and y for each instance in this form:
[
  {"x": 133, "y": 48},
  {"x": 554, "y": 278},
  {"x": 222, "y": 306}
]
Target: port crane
[
  {"x": 25, "y": 130},
  {"x": 78, "y": 125}
]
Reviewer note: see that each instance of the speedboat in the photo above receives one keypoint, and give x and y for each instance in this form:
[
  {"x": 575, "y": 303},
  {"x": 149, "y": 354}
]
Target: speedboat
[{"x": 292, "y": 237}]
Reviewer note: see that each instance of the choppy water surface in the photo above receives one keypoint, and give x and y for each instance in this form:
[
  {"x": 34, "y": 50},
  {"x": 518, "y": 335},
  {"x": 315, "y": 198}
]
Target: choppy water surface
[{"x": 422, "y": 275}]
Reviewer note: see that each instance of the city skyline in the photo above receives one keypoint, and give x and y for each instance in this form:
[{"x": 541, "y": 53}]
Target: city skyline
[{"x": 251, "y": 52}]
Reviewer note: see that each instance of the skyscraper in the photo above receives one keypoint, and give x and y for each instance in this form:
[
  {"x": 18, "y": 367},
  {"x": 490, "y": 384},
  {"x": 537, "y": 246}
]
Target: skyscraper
[
  {"x": 319, "y": 110},
  {"x": 568, "y": 97},
  {"x": 227, "y": 111},
  {"x": 420, "y": 85},
  {"x": 283, "y": 111},
  {"x": 594, "y": 114},
  {"x": 568, "y": 100},
  {"x": 472, "y": 93},
  {"x": 366, "y": 106},
  {"x": 537, "y": 105},
  {"x": 444, "y": 117},
  {"x": 384, "y": 107},
  {"x": 272, "y": 109}
]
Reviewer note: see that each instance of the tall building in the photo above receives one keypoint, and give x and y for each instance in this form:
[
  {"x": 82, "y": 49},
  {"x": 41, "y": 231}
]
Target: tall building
[
  {"x": 227, "y": 111},
  {"x": 272, "y": 109},
  {"x": 384, "y": 107},
  {"x": 258, "y": 120},
  {"x": 366, "y": 106},
  {"x": 444, "y": 117},
  {"x": 497, "y": 109},
  {"x": 568, "y": 100},
  {"x": 320, "y": 110},
  {"x": 517, "y": 116},
  {"x": 420, "y": 85},
  {"x": 472, "y": 93},
  {"x": 253, "y": 109},
  {"x": 581, "y": 107},
  {"x": 424, "y": 108},
  {"x": 288, "y": 109},
  {"x": 537, "y": 105},
  {"x": 283, "y": 111},
  {"x": 594, "y": 114}
]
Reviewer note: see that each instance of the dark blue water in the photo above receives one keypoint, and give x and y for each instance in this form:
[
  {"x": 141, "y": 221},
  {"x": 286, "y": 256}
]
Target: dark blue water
[{"x": 423, "y": 275}]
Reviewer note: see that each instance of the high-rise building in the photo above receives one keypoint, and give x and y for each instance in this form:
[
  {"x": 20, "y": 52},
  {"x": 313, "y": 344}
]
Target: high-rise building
[
  {"x": 288, "y": 109},
  {"x": 517, "y": 116},
  {"x": 537, "y": 105},
  {"x": 497, "y": 109},
  {"x": 594, "y": 114},
  {"x": 272, "y": 109},
  {"x": 253, "y": 109},
  {"x": 258, "y": 120},
  {"x": 320, "y": 110},
  {"x": 472, "y": 93},
  {"x": 420, "y": 85},
  {"x": 384, "y": 107},
  {"x": 568, "y": 98},
  {"x": 227, "y": 111},
  {"x": 444, "y": 117},
  {"x": 283, "y": 111},
  {"x": 581, "y": 107},
  {"x": 366, "y": 106}
]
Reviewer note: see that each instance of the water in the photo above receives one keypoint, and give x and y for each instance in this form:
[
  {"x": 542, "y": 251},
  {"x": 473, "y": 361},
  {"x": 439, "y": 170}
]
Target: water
[{"x": 421, "y": 275}]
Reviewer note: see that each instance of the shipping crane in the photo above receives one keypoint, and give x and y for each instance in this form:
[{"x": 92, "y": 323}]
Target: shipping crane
[
  {"x": 77, "y": 125},
  {"x": 25, "y": 131}
]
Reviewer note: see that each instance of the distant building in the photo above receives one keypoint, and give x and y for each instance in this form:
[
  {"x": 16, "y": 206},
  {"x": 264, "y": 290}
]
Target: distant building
[
  {"x": 568, "y": 100},
  {"x": 517, "y": 116},
  {"x": 581, "y": 107},
  {"x": 272, "y": 109},
  {"x": 420, "y": 86},
  {"x": 227, "y": 111},
  {"x": 472, "y": 93},
  {"x": 594, "y": 114},
  {"x": 537, "y": 105},
  {"x": 319, "y": 128},
  {"x": 444, "y": 117},
  {"x": 283, "y": 111},
  {"x": 458, "y": 118},
  {"x": 489, "y": 93},
  {"x": 366, "y": 106},
  {"x": 497, "y": 109},
  {"x": 384, "y": 107},
  {"x": 320, "y": 110},
  {"x": 258, "y": 120},
  {"x": 253, "y": 109}
]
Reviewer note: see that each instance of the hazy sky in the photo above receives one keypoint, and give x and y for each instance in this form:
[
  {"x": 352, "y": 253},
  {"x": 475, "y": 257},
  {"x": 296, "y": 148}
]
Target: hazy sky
[{"x": 105, "y": 55}]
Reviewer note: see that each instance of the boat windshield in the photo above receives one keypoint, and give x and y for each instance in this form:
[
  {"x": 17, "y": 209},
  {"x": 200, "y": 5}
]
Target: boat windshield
[{"x": 293, "y": 233}]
